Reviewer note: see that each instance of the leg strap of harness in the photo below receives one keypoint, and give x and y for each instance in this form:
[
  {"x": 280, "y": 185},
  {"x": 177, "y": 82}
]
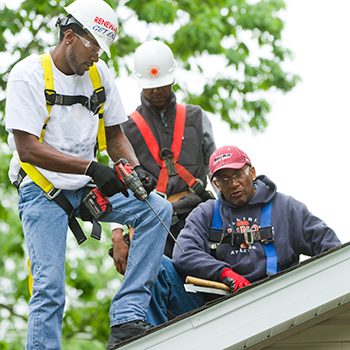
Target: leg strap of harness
[{"x": 57, "y": 195}]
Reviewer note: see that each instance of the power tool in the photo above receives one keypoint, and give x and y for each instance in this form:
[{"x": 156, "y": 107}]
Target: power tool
[{"x": 99, "y": 205}]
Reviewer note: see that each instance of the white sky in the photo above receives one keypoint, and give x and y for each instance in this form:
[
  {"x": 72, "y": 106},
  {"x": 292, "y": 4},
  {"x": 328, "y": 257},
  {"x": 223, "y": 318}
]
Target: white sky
[{"x": 304, "y": 150}]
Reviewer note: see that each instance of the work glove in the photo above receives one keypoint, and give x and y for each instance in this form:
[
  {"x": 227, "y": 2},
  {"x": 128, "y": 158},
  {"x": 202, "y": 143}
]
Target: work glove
[
  {"x": 106, "y": 179},
  {"x": 148, "y": 181},
  {"x": 233, "y": 280}
]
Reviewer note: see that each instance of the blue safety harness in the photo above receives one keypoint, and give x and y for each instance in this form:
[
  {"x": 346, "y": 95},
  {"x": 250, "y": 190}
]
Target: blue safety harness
[{"x": 265, "y": 226}]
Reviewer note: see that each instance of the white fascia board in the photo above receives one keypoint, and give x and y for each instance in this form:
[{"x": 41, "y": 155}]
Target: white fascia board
[{"x": 260, "y": 312}]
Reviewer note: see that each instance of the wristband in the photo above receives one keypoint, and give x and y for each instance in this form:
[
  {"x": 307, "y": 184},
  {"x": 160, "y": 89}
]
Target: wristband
[{"x": 115, "y": 225}]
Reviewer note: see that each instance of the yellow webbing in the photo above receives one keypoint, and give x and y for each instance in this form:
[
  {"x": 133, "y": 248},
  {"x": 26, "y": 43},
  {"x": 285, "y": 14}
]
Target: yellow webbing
[
  {"x": 48, "y": 77},
  {"x": 30, "y": 170},
  {"x": 101, "y": 134},
  {"x": 30, "y": 281}
]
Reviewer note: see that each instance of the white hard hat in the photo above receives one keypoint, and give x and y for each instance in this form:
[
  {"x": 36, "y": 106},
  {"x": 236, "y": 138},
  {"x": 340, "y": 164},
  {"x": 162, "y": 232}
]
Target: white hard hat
[
  {"x": 98, "y": 18},
  {"x": 154, "y": 65}
]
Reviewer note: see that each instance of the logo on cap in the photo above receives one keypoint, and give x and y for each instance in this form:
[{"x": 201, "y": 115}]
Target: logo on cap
[
  {"x": 222, "y": 157},
  {"x": 154, "y": 71}
]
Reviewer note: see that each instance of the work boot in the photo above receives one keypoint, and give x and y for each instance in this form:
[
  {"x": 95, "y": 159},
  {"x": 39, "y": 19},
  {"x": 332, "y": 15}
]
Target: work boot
[{"x": 125, "y": 331}]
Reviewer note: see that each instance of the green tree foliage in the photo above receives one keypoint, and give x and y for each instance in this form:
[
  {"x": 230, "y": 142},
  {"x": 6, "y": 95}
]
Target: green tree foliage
[{"x": 230, "y": 56}]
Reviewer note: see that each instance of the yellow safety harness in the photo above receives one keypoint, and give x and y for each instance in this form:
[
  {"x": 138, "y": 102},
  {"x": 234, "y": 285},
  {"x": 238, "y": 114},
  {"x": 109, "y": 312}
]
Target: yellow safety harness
[{"x": 95, "y": 104}]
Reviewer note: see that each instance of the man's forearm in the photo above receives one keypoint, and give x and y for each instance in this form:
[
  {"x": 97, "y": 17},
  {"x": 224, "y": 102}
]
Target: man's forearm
[
  {"x": 32, "y": 151},
  {"x": 118, "y": 146}
]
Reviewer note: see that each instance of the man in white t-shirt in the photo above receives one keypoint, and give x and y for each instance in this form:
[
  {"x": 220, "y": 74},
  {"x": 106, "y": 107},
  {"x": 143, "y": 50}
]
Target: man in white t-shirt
[{"x": 62, "y": 149}]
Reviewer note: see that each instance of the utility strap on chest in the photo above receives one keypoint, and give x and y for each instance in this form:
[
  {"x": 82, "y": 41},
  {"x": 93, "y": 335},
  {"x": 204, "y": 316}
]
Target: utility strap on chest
[
  {"x": 94, "y": 103},
  {"x": 168, "y": 159},
  {"x": 265, "y": 235}
]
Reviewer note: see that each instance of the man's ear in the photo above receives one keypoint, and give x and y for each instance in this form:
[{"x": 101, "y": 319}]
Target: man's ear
[
  {"x": 68, "y": 35},
  {"x": 253, "y": 173}
]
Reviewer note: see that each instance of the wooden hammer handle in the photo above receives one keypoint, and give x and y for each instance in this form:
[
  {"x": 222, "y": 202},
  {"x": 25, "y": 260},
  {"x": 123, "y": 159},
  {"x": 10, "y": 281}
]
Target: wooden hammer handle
[{"x": 206, "y": 283}]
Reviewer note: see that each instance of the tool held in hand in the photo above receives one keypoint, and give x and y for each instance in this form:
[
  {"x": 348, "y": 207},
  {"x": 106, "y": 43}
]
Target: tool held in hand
[
  {"x": 206, "y": 283},
  {"x": 131, "y": 180},
  {"x": 97, "y": 203}
]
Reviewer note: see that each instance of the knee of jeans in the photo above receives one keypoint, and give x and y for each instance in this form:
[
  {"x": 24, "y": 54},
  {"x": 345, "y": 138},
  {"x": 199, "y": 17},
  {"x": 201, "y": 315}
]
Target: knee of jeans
[
  {"x": 51, "y": 289},
  {"x": 169, "y": 268},
  {"x": 163, "y": 209}
]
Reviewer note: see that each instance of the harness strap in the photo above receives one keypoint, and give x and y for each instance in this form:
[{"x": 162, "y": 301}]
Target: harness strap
[
  {"x": 49, "y": 84},
  {"x": 55, "y": 194},
  {"x": 98, "y": 98},
  {"x": 92, "y": 103},
  {"x": 101, "y": 133},
  {"x": 194, "y": 184},
  {"x": 217, "y": 235},
  {"x": 270, "y": 251},
  {"x": 95, "y": 102}
]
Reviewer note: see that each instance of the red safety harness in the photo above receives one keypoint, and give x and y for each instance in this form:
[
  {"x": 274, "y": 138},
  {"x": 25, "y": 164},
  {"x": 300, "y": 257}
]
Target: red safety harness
[{"x": 168, "y": 159}]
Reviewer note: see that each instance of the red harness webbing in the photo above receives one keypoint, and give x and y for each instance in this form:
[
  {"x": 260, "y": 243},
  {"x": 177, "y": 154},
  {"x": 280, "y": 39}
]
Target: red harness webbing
[{"x": 175, "y": 147}]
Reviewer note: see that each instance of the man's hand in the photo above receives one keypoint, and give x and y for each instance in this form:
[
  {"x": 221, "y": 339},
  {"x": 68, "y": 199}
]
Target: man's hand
[
  {"x": 106, "y": 179},
  {"x": 146, "y": 178},
  {"x": 233, "y": 280},
  {"x": 120, "y": 250}
]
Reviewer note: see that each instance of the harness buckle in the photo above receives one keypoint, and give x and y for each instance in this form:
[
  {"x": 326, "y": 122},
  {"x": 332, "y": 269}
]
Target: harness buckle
[
  {"x": 53, "y": 193},
  {"x": 198, "y": 187},
  {"x": 167, "y": 155},
  {"x": 50, "y": 96},
  {"x": 248, "y": 236},
  {"x": 96, "y": 100},
  {"x": 163, "y": 195},
  {"x": 267, "y": 234}
]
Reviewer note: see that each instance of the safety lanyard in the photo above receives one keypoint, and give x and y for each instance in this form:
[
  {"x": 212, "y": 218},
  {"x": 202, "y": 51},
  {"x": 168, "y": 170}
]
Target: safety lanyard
[{"x": 175, "y": 147}]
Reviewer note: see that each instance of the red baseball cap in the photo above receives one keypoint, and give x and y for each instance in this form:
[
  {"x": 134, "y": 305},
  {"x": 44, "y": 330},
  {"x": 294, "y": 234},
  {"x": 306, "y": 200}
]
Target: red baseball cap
[{"x": 227, "y": 157}]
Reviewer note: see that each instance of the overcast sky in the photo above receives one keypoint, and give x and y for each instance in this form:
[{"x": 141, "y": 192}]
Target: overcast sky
[{"x": 305, "y": 148}]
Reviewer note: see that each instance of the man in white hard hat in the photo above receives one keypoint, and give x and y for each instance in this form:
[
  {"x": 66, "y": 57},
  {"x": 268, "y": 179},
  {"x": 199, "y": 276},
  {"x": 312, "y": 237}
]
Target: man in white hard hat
[
  {"x": 53, "y": 115},
  {"x": 173, "y": 142}
]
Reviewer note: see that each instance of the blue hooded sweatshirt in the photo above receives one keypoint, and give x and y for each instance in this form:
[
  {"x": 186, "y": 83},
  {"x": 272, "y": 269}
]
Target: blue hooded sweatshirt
[{"x": 297, "y": 231}]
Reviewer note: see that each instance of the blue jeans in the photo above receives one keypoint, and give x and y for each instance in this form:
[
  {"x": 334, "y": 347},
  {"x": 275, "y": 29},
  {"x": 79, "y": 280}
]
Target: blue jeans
[
  {"x": 169, "y": 297},
  {"x": 45, "y": 226}
]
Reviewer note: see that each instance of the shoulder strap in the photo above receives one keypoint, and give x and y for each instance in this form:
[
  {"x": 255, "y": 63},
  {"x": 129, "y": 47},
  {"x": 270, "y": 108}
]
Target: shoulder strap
[
  {"x": 217, "y": 221},
  {"x": 216, "y": 227},
  {"x": 270, "y": 251},
  {"x": 101, "y": 133},
  {"x": 49, "y": 85},
  {"x": 51, "y": 100},
  {"x": 153, "y": 146}
]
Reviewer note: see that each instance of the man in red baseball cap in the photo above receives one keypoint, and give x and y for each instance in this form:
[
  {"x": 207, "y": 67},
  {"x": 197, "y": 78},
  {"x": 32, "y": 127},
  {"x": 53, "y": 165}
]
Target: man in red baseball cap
[
  {"x": 251, "y": 231},
  {"x": 229, "y": 165}
]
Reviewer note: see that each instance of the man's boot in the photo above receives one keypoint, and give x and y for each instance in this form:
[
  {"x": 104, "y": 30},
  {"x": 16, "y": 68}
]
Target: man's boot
[{"x": 125, "y": 331}]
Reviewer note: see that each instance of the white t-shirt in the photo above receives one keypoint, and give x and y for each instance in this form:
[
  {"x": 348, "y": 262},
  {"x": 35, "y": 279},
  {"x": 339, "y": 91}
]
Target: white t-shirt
[{"x": 71, "y": 129}]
